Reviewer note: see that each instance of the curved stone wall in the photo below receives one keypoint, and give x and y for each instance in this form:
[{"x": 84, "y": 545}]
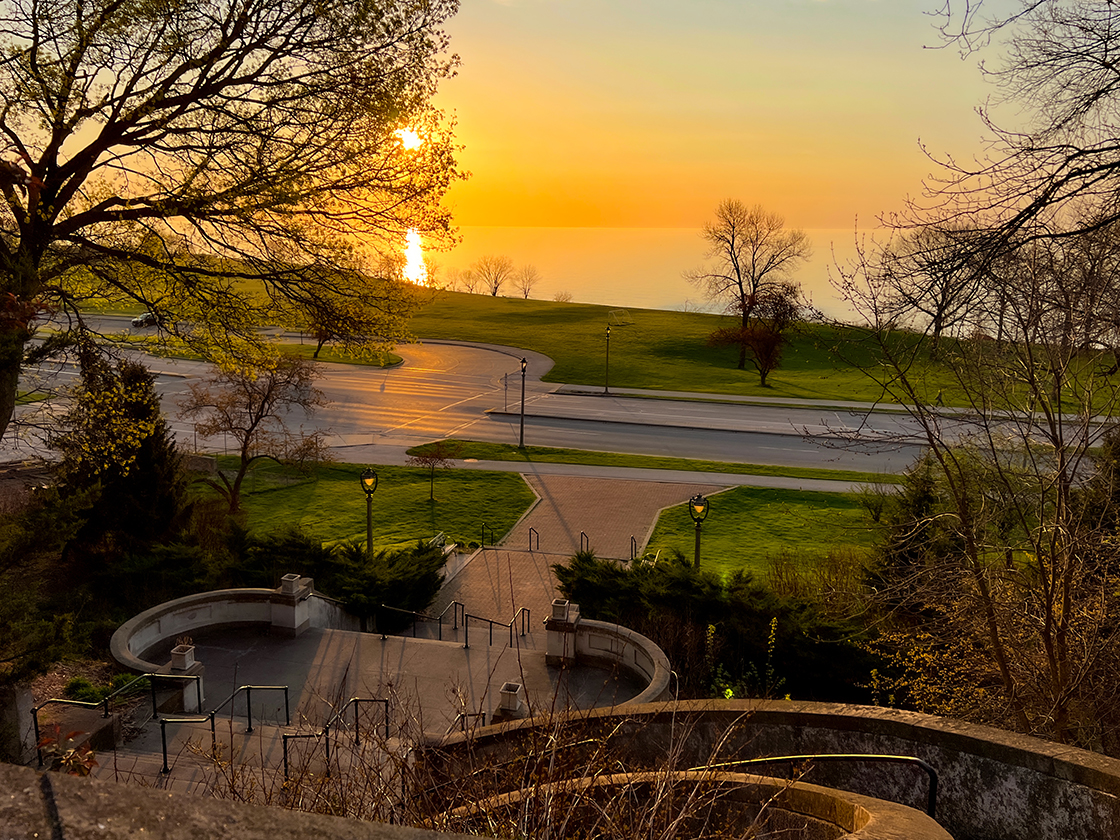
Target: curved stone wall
[
  {"x": 163, "y": 623},
  {"x": 599, "y": 642},
  {"x": 724, "y": 804},
  {"x": 992, "y": 784}
]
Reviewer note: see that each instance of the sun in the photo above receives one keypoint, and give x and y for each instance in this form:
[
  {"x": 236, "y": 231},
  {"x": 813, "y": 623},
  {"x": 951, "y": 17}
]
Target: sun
[
  {"x": 409, "y": 138},
  {"x": 414, "y": 269}
]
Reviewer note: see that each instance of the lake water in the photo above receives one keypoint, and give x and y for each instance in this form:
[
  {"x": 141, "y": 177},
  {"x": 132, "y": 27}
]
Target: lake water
[{"x": 634, "y": 267}]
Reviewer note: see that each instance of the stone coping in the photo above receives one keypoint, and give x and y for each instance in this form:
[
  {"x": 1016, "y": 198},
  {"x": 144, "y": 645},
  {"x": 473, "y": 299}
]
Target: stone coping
[
  {"x": 42, "y": 805},
  {"x": 804, "y": 810}
]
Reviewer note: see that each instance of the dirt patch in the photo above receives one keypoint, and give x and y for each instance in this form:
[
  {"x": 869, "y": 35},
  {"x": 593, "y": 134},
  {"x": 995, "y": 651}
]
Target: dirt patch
[{"x": 53, "y": 683}]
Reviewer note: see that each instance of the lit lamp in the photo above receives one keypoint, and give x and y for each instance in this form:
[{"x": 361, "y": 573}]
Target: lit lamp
[
  {"x": 607, "y": 371},
  {"x": 521, "y": 438},
  {"x": 698, "y": 510},
  {"x": 369, "y": 485}
]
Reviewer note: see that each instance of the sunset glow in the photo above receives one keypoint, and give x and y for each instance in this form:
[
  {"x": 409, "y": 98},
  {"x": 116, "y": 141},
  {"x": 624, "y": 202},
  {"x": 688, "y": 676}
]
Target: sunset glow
[
  {"x": 817, "y": 109},
  {"x": 414, "y": 269}
]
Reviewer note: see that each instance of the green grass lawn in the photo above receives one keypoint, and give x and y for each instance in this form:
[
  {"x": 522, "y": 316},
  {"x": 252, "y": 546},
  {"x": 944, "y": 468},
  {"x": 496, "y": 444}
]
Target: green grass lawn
[
  {"x": 747, "y": 525},
  {"x": 661, "y": 349},
  {"x": 329, "y": 504},
  {"x": 549, "y": 455}
]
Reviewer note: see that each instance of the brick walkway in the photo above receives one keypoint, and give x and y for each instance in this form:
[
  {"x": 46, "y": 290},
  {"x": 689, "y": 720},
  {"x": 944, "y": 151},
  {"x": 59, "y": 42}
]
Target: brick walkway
[{"x": 499, "y": 581}]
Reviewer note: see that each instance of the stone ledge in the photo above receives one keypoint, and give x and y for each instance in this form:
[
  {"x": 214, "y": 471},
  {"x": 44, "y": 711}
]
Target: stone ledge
[{"x": 91, "y": 808}]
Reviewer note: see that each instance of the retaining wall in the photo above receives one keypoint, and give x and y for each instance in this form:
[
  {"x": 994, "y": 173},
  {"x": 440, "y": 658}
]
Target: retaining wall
[{"x": 994, "y": 785}]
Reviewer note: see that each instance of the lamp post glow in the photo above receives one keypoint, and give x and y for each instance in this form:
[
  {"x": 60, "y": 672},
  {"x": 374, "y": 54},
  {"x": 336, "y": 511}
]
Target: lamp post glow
[
  {"x": 698, "y": 510},
  {"x": 607, "y": 372},
  {"x": 369, "y": 485},
  {"x": 521, "y": 437}
]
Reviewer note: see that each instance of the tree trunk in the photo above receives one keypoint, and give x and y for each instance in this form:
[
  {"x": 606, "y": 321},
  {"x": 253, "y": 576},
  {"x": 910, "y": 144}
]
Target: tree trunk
[
  {"x": 11, "y": 358},
  {"x": 742, "y": 357}
]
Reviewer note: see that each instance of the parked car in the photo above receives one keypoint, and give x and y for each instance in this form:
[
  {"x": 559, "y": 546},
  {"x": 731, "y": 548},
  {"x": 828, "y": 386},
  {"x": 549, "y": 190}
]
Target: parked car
[{"x": 148, "y": 319}]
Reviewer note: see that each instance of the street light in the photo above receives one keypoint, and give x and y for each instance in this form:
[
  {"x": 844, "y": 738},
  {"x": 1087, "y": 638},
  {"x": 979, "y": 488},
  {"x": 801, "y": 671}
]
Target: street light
[
  {"x": 698, "y": 510},
  {"x": 521, "y": 439},
  {"x": 369, "y": 485},
  {"x": 607, "y": 372}
]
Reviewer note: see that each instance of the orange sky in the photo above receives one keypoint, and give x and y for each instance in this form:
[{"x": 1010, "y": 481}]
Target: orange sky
[{"x": 646, "y": 113}]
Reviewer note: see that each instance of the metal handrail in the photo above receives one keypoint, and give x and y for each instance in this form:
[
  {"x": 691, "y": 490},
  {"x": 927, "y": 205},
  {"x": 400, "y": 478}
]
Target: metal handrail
[
  {"x": 326, "y": 730},
  {"x": 104, "y": 701},
  {"x": 931, "y": 802},
  {"x": 248, "y": 689},
  {"x": 522, "y": 613},
  {"x": 584, "y": 542},
  {"x": 211, "y": 717},
  {"x": 533, "y": 531},
  {"x": 454, "y": 606}
]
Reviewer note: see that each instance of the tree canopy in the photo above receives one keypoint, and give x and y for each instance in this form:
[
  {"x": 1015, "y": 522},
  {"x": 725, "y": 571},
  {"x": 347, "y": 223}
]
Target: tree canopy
[{"x": 209, "y": 160}]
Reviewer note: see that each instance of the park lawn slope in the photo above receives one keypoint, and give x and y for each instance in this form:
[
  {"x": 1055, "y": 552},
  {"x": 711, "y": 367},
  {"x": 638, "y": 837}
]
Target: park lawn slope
[
  {"x": 660, "y": 349},
  {"x": 330, "y": 505},
  {"x": 747, "y": 525}
]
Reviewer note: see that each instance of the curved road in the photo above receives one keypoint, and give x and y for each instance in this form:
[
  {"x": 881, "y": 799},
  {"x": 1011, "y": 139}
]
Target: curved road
[{"x": 467, "y": 391}]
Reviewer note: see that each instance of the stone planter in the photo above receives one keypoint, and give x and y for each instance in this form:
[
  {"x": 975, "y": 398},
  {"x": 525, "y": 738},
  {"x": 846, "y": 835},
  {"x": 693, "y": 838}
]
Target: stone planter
[{"x": 182, "y": 657}]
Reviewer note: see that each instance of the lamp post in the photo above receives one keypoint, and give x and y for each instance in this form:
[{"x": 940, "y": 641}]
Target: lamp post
[
  {"x": 607, "y": 372},
  {"x": 698, "y": 510},
  {"x": 521, "y": 438},
  {"x": 369, "y": 485}
]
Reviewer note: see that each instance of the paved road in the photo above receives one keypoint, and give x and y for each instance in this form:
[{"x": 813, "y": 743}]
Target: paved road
[{"x": 454, "y": 390}]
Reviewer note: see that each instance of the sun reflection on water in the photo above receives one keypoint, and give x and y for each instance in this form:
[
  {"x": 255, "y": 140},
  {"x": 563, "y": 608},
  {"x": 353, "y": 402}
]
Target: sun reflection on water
[{"x": 414, "y": 269}]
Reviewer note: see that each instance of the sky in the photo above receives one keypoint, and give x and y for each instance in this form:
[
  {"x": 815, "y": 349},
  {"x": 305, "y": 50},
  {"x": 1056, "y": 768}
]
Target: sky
[{"x": 648, "y": 113}]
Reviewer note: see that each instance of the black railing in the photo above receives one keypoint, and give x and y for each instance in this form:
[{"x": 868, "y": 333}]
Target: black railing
[
  {"x": 486, "y": 528},
  {"x": 931, "y": 802},
  {"x": 533, "y": 532},
  {"x": 633, "y": 548},
  {"x": 325, "y": 732},
  {"x": 211, "y": 716},
  {"x": 456, "y": 608},
  {"x": 104, "y": 702},
  {"x": 522, "y": 613},
  {"x": 584, "y": 542}
]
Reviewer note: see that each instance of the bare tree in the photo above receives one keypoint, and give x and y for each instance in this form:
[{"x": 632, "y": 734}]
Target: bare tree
[
  {"x": 933, "y": 277},
  {"x": 1007, "y": 559},
  {"x": 750, "y": 250},
  {"x": 190, "y": 157},
  {"x": 493, "y": 273},
  {"x": 525, "y": 279},
  {"x": 438, "y": 455},
  {"x": 252, "y": 407}
]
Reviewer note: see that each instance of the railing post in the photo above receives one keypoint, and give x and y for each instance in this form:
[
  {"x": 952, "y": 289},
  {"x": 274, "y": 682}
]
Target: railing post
[
  {"x": 633, "y": 548},
  {"x": 284, "y": 740},
  {"x": 584, "y": 542},
  {"x": 287, "y": 711},
  {"x": 213, "y": 734},
  {"x": 386, "y": 718},
  {"x": 466, "y": 632},
  {"x": 357, "y": 734},
  {"x": 105, "y": 714},
  {"x": 163, "y": 739},
  {"x": 35, "y": 723},
  {"x": 248, "y": 707},
  {"x": 152, "y": 683},
  {"x": 327, "y": 733}
]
